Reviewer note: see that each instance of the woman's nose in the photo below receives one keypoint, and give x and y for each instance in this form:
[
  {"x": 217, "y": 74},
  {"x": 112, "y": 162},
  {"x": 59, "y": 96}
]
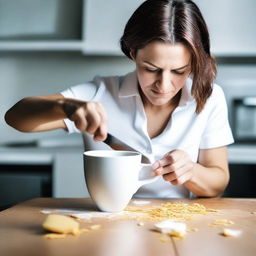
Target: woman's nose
[{"x": 164, "y": 82}]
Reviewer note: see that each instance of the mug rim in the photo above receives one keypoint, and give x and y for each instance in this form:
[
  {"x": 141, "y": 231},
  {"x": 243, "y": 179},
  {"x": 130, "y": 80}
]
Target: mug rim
[{"x": 111, "y": 153}]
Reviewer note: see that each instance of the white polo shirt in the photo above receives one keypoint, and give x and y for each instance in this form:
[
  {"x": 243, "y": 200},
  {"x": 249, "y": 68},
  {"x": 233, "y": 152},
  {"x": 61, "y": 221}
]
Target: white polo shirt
[{"x": 127, "y": 121}]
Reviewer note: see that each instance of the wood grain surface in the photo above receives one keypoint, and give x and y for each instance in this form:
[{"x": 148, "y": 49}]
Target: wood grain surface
[{"x": 21, "y": 231}]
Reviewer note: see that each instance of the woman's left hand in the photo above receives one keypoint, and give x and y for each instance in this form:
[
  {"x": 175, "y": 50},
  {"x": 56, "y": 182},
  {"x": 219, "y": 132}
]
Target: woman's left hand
[{"x": 176, "y": 167}]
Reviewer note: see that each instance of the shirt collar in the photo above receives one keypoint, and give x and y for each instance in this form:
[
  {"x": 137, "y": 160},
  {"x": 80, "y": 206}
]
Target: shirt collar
[
  {"x": 129, "y": 85},
  {"x": 129, "y": 88},
  {"x": 186, "y": 96}
]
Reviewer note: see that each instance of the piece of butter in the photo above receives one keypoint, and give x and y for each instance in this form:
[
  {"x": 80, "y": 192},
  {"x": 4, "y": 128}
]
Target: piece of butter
[
  {"x": 231, "y": 232},
  {"x": 172, "y": 228},
  {"x": 61, "y": 224}
]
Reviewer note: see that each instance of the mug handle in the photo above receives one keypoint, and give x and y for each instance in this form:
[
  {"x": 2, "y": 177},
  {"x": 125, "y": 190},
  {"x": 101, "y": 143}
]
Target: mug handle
[{"x": 146, "y": 175}]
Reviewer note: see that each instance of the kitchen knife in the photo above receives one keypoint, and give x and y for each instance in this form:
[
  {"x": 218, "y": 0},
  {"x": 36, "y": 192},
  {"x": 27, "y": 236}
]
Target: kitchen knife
[{"x": 117, "y": 144}]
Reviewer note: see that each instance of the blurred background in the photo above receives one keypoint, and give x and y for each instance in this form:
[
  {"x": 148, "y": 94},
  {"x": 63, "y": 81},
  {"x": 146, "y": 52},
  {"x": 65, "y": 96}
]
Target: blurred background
[{"x": 49, "y": 45}]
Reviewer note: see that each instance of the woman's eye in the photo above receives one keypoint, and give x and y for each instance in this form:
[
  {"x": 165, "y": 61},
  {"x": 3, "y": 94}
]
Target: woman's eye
[
  {"x": 178, "y": 72},
  {"x": 151, "y": 70}
]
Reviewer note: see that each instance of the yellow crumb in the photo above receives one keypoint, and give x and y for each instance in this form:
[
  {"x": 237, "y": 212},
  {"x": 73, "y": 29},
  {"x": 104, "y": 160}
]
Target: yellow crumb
[
  {"x": 212, "y": 210},
  {"x": 140, "y": 224},
  {"x": 164, "y": 239},
  {"x": 222, "y": 222},
  {"x": 84, "y": 230},
  {"x": 95, "y": 227},
  {"x": 192, "y": 229},
  {"x": 177, "y": 234},
  {"x": 55, "y": 236}
]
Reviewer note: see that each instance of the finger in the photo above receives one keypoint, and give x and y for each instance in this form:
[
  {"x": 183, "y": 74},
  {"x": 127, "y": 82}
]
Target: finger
[
  {"x": 94, "y": 121},
  {"x": 159, "y": 171},
  {"x": 170, "y": 158},
  {"x": 182, "y": 179},
  {"x": 80, "y": 122},
  {"x": 166, "y": 160},
  {"x": 180, "y": 162},
  {"x": 102, "y": 113},
  {"x": 101, "y": 133},
  {"x": 173, "y": 175},
  {"x": 164, "y": 166},
  {"x": 171, "y": 168}
]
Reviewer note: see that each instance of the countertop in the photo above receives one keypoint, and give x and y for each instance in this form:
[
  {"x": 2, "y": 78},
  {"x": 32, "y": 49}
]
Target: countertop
[{"x": 21, "y": 231}]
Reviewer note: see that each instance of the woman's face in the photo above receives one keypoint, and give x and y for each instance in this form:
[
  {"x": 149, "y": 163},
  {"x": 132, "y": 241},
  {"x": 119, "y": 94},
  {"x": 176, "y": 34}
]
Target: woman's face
[{"x": 162, "y": 70}]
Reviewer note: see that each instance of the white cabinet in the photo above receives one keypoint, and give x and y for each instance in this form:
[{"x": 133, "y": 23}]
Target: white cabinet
[
  {"x": 232, "y": 26},
  {"x": 32, "y": 25},
  {"x": 101, "y": 24},
  {"x": 104, "y": 22}
]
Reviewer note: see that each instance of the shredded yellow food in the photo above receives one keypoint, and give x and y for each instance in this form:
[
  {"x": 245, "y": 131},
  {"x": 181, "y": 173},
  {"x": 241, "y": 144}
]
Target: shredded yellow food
[
  {"x": 222, "y": 222},
  {"x": 171, "y": 211}
]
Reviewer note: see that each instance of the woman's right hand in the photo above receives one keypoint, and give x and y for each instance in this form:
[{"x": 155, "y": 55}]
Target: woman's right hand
[
  {"x": 88, "y": 117},
  {"x": 44, "y": 113}
]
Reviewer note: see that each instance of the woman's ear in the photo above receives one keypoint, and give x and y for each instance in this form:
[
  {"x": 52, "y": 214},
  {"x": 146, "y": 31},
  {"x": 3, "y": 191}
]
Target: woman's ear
[{"x": 132, "y": 54}]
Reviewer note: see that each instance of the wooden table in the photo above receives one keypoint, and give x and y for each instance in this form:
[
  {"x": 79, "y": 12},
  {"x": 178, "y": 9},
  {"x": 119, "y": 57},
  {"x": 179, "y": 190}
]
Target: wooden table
[{"x": 21, "y": 232}]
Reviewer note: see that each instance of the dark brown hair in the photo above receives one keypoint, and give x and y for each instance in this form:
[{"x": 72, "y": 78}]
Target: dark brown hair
[{"x": 174, "y": 21}]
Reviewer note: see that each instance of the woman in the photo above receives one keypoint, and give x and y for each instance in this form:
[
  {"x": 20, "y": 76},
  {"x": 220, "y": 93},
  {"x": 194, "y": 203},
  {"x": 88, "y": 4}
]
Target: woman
[{"x": 168, "y": 109}]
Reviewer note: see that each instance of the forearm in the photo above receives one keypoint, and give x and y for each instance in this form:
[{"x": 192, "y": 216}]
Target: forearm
[
  {"x": 36, "y": 114},
  {"x": 207, "y": 181}
]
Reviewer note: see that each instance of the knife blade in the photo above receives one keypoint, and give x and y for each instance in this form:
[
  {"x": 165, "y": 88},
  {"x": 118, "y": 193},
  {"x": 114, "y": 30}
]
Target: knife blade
[{"x": 117, "y": 144}]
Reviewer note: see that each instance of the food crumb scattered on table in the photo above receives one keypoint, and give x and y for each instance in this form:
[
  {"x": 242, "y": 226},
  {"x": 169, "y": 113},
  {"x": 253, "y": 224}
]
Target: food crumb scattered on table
[
  {"x": 192, "y": 229},
  {"x": 178, "y": 211},
  {"x": 164, "y": 239},
  {"x": 222, "y": 222},
  {"x": 95, "y": 227},
  {"x": 55, "y": 236},
  {"x": 231, "y": 232}
]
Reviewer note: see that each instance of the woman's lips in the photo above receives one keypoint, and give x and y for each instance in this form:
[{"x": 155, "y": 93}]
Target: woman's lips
[{"x": 160, "y": 93}]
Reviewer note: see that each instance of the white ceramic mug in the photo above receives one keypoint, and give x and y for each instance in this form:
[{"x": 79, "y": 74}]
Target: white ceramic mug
[{"x": 112, "y": 177}]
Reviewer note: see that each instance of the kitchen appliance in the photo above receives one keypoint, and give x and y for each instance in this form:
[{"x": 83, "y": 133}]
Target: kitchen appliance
[
  {"x": 244, "y": 119},
  {"x": 241, "y": 102}
]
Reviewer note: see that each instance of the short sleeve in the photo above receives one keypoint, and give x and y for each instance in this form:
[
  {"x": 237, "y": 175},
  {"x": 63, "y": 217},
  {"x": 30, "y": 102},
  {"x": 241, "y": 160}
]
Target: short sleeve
[
  {"x": 85, "y": 92},
  {"x": 217, "y": 132}
]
